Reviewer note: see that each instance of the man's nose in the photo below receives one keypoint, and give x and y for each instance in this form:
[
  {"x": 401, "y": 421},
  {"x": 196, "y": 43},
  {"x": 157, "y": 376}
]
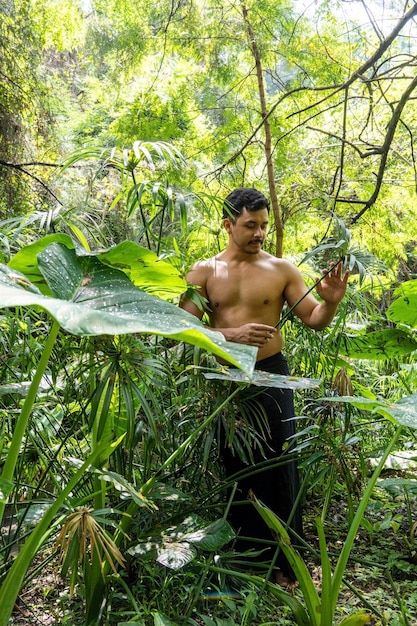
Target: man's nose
[{"x": 259, "y": 234}]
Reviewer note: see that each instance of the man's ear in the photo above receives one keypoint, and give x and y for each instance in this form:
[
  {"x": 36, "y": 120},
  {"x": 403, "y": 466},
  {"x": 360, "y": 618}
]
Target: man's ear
[{"x": 227, "y": 222}]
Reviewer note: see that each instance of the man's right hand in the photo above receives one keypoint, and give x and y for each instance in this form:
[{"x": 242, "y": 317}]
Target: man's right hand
[{"x": 252, "y": 334}]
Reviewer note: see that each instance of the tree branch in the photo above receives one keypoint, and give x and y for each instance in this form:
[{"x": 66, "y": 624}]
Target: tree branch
[
  {"x": 267, "y": 131},
  {"x": 21, "y": 168},
  {"x": 384, "y": 151},
  {"x": 334, "y": 89}
]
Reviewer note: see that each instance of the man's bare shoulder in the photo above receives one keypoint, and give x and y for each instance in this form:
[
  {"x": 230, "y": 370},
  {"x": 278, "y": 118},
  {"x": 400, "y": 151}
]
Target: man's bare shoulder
[
  {"x": 201, "y": 271},
  {"x": 204, "y": 263},
  {"x": 204, "y": 267},
  {"x": 279, "y": 263}
]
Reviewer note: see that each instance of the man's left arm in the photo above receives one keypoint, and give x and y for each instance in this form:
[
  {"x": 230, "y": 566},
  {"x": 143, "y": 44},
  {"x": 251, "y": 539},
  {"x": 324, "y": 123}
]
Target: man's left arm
[{"x": 331, "y": 289}]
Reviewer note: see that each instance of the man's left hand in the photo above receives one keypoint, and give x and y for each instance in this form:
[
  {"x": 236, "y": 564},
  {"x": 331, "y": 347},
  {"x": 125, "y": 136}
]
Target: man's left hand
[{"x": 333, "y": 286}]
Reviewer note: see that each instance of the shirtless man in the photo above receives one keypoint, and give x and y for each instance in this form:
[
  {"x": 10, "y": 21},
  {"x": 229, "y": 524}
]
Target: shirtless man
[{"x": 246, "y": 289}]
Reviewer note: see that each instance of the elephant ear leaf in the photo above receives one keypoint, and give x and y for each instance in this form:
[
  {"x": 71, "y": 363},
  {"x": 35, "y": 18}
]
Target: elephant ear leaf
[
  {"x": 403, "y": 412},
  {"x": 404, "y": 309},
  {"x": 91, "y": 298},
  {"x": 142, "y": 266},
  {"x": 15, "y": 279},
  {"x": 145, "y": 269},
  {"x": 61, "y": 270},
  {"x": 26, "y": 259},
  {"x": 381, "y": 344}
]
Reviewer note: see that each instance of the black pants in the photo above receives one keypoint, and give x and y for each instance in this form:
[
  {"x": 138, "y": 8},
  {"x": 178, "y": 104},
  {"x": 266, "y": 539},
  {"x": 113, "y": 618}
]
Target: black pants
[{"x": 277, "y": 487}]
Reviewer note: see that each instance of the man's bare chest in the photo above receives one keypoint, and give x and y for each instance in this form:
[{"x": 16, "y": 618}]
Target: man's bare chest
[{"x": 247, "y": 289}]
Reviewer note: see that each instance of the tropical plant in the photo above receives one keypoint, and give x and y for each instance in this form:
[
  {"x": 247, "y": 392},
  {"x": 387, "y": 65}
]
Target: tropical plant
[
  {"x": 89, "y": 297},
  {"x": 128, "y": 70},
  {"x": 320, "y": 608}
]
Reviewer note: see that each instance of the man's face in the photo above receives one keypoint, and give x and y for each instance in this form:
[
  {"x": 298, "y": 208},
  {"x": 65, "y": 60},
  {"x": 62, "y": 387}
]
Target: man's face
[{"x": 248, "y": 232}]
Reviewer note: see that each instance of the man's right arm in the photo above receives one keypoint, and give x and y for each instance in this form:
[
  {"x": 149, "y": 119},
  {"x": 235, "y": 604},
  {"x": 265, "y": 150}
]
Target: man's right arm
[{"x": 197, "y": 278}]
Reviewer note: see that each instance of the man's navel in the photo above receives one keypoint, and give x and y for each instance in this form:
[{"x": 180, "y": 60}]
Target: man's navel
[{"x": 266, "y": 301}]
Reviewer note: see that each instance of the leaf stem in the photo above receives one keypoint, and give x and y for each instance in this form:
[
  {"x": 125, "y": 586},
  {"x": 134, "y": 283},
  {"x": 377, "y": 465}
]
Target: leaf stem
[
  {"x": 287, "y": 314},
  {"x": 360, "y": 512},
  {"x": 22, "y": 420}
]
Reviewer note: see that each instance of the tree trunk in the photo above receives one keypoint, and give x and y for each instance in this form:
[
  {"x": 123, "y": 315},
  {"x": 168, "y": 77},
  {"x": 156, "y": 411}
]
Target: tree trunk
[{"x": 268, "y": 136}]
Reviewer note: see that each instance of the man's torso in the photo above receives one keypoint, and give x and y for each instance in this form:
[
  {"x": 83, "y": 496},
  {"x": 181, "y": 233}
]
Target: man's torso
[{"x": 244, "y": 292}]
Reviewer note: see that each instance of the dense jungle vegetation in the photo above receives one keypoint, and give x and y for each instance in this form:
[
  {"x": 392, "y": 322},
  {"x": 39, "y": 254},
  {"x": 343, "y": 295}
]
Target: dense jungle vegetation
[{"x": 123, "y": 125}]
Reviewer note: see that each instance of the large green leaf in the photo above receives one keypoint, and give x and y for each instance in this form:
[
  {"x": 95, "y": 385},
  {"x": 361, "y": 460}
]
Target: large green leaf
[
  {"x": 105, "y": 302},
  {"x": 142, "y": 266},
  {"x": 174, "y": 547},
  {"x": 383, "y": 344},
  {"x": 264, "y": 379},
  {"x": 145, "y": 269},
  {"x": 176, "y": 555},
  {"x": 25, "y": 260},
  {"x": 404, "y": 309},
  {"x": 397, "y": 486},
  {"x": 213, "y": 536},
  {"x": 403, "y": 412}
]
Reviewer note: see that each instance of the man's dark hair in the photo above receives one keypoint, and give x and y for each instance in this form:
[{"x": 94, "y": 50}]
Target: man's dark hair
[{"x": 244, "y": 198}]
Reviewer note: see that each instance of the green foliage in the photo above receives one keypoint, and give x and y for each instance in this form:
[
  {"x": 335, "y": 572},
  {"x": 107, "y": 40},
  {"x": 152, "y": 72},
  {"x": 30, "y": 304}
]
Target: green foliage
[
  {"x": 106, "y": 86},
  {"x": 91, "y": 298},
  {"x": 62, "y": 27},
  {"x": 25, "y": 120},
  {"x": 404, "y": 309},
  {"x": 321, "y": 609},
  {"x": 140, "y": 265},
  {"x": 177, "y": 546},
  {"x": 122, "y": 73},
  {"x": 65, "y": 277}
]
